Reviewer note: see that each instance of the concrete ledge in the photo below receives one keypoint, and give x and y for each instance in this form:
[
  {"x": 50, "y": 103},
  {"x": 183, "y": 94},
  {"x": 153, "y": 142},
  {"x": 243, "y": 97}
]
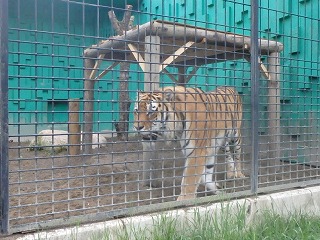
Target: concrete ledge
[{"x": 304, "y": 201}]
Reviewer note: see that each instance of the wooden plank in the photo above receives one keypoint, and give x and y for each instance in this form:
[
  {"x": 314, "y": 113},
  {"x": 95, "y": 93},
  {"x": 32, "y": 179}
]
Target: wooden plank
[
  {"x": 137, "y": 56},
  {"x": 175, "y": 55},
  {"x": 264, "y": 69},
  {"x": 96, "y": 66},
  {"x": 108, "y": 69}
]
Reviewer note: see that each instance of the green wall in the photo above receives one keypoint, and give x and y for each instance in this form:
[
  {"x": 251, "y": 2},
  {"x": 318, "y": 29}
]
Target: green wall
[
  {"x": 47, "y": 39},
  {"x": 46, "y": 43},
  {"x": 294, "y": 23}
]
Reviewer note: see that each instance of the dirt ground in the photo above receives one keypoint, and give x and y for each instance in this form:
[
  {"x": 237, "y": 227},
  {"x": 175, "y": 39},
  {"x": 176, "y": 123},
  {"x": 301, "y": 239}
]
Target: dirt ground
[{"x": 45, "y": 185}]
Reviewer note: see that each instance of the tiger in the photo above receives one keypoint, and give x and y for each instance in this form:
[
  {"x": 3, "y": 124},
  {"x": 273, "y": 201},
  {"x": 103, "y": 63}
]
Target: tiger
[{"x": 203, "y": 123}]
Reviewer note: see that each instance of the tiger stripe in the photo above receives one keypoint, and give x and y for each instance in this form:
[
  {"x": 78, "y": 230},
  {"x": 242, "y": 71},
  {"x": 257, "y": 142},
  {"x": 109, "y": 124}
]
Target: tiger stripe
[{"x": 204, "y": 122}]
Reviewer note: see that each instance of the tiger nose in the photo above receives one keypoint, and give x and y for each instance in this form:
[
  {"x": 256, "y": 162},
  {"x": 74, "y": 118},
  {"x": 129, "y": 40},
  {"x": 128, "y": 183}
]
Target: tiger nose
[{"x": 138, "y": 128}]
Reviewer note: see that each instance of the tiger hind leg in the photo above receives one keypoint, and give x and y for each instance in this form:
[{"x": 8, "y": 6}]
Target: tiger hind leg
[{"x": 207, "y": 177}]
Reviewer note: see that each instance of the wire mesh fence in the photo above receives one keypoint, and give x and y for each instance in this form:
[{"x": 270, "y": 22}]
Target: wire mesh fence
[{"x": 123, "y": 107}]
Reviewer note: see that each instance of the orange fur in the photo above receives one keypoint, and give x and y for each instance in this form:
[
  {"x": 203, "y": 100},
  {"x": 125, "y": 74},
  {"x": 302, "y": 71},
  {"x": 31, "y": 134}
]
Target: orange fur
[{"x": 204, "y": 122}]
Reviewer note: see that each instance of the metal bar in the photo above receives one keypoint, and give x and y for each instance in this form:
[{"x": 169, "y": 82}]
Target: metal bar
[
  {"x": 4, "y": 158},
  {"x": 127, "y": 212},
  {"x": 255, "y": 75}
]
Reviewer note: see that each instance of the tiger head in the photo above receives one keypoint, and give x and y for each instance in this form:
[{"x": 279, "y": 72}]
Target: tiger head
[{"x": 153, "y": 116}]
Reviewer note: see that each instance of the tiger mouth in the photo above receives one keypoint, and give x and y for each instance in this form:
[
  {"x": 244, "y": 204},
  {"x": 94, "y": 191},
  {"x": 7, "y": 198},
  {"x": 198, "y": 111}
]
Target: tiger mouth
[{"x": 152, "y": 136}]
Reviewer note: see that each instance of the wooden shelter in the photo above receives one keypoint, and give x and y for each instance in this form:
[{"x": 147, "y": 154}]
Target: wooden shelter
[{"x": 158, "y": 44}]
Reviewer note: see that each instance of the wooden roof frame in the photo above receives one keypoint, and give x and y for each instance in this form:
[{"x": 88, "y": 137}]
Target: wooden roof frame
[
  {"x": 179, "y": 43},
  {"x": 158, "y": 44}
]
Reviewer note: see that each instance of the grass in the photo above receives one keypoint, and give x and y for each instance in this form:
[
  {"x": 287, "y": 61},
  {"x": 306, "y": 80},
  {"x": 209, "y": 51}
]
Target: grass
[{"x": 224, "y": 226}]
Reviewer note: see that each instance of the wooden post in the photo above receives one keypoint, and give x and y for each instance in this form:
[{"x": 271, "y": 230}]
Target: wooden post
[
  {"x": 152, "y": 63},
  {"x": 74, "y": 128},
  {"x": 182, "y": 75},
  {"x": 88, "y": 106},
  {"x": 151, "y": 82},
  {"x": 120, "y": 28},
  {"x": 274, "y": 112}
]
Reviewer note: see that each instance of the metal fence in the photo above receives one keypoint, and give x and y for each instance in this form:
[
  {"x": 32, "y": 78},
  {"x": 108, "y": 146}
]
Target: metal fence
[{"x": 73, "y": 146}]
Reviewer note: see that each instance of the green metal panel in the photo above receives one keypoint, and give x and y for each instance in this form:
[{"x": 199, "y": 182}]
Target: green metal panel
[{"x": 54, "y": 65}]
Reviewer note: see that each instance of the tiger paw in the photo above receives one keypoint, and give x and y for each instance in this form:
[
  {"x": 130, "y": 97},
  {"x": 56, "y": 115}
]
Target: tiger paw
[
  {"x": 237, "y": 174},
  {"x": 186, "y": 197},
  {"x": 152, "y": 184}
]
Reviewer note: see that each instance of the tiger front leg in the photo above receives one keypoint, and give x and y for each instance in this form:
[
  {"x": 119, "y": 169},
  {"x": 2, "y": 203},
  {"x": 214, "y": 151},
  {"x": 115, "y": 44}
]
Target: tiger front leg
[
  {"x": 194, "y": 169},
  {"x": 149, "y": 164},
  {"x": 234, "y": 165}
]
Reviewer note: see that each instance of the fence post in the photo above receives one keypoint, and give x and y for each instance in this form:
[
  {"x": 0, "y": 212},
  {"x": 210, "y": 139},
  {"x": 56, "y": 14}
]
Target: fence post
[
  {"x": 88, "y": 106},
  {"x": 74, "y": 128},
  {"x": 4, "y": 158},
  {"x": 255, "y": 77},
  {"x": 151, "y": 82},
  {"x": 274, "y": 113},
  {"x": 152, "y": 63}
]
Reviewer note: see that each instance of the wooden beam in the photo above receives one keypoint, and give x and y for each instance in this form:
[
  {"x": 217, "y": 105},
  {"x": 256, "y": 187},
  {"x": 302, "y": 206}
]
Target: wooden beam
[
  {"x": 137, "y": 56},
  {"x": 263, "y": 69},
  {"x": 175, "y": 55},
  {"x": 192, "y": 73},
  {"x": 108, "y": 69},
  {"x": 184, "y": 32},
  {"x": 96, "y": 66},
  {"x": 169, "y": 75},
  {"x": 182, "y": 75}
]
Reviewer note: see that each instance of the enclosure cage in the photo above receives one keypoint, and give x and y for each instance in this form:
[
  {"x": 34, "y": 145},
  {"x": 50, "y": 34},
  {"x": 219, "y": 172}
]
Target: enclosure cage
[{"x": 82, "y": 79}]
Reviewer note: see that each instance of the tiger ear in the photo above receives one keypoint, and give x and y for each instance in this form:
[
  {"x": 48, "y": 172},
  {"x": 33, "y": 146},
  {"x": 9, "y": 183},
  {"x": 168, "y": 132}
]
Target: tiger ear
[
  {"x": 140, "y": 92},
  {"x": 171, "y": 96}
]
